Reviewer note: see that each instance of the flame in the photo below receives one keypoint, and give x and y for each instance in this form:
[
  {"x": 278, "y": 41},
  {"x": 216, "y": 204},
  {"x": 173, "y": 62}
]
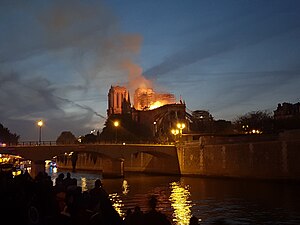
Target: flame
[{"x": 156, "y": 104}]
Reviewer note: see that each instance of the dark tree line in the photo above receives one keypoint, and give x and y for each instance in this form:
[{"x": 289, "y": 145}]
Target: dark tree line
[
  {"x": 128, "y": 130},
  {"x": 261, "y": 121},
  {"x": 255, "y": 122},
  {"x": 7, "y": 137}
]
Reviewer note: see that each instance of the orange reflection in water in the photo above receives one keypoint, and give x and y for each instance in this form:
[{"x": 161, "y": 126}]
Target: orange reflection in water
[
  {"x": 181, "y": 204},
  {"x": 84, "y": 184},
  {"x": 117, "y": 203}
]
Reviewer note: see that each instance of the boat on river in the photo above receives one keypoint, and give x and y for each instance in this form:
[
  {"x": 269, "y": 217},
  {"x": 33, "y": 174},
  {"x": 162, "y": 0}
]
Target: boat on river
[{"x": 10, "y": 168}]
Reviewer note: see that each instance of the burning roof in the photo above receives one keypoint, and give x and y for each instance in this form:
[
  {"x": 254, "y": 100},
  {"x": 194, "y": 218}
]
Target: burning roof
[{"x": 148, "y": 99}]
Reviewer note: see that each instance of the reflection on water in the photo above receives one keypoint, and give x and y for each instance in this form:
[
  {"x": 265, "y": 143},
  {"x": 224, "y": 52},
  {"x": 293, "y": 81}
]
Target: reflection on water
[
  {"x": 180, "y": 202},
  {"x": 83, "y": 184},
  {"x": 237, "y": 201},
  {"x": 117, "y": 203},
  {"x": 125, "y": 187}
]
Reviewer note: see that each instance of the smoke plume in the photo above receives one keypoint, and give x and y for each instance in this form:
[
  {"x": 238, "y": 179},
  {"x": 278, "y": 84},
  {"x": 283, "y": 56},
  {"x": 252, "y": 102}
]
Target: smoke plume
[{"x": 62, "y": 53}]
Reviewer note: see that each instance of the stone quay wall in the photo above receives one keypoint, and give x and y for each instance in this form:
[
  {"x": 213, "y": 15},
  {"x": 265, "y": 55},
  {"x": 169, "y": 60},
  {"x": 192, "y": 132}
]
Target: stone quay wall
[
  {"x": 249, "y": 156},
  {"x": 262, "y": 157}
]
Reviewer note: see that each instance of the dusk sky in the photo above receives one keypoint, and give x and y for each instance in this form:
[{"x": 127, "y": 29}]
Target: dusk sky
[{"x": 58, "y": 59}]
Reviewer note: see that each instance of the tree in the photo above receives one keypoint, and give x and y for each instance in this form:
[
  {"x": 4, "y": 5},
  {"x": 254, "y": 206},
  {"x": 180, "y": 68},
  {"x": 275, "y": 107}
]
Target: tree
[
  {"x": 66, "y": 137},
  {"x": 7, "y": 137},
  {"x": 128, "y": 130},
  {"x": 223, "y": 127},
  {"x": 258, "y": 121},
  {"x": 89, "y": 138}
]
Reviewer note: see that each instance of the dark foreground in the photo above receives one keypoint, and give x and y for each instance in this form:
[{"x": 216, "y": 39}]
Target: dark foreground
[{"x": 27, "y": 200}]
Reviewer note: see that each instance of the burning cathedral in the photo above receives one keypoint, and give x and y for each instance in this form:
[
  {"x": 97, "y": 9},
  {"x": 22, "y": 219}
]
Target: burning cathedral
[{"x": 158, "y": 111}]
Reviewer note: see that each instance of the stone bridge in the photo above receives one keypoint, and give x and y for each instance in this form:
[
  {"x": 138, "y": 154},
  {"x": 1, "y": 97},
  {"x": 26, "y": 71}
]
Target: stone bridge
[
  {"x": 254, "y": 156},
  {"x": 115, "y": 158}
]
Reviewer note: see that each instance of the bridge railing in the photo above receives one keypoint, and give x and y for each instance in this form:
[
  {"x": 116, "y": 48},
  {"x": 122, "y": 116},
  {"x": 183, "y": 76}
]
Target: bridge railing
[
  {"x": 53, "y": 143},
  {"x": 34, "y": 143}
]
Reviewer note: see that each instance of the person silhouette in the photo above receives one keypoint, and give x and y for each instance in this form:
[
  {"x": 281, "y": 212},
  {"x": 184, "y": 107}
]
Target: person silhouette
[
  {"x": 100, "y": 202},
  {"x": 59, "y": 182},
  {"x": 153, "y": 216},
  {"x": 137, "y": 216},
  {"x": 98, "y": 196},
  {"x": 68, "y": 180}
]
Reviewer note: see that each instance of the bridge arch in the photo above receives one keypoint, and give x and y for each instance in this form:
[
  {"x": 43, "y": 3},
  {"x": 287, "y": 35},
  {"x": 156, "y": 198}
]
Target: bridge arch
[
  {"x": 94, "y": 161},
  {"x": 134, "y": 157}
]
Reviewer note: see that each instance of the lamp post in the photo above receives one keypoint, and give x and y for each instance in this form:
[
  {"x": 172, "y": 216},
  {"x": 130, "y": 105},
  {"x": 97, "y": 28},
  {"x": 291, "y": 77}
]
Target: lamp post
[
  {"x": 116, "y": 124},
  {"x": 40, "y": 123},
  {"x": 175, "y": 132},
  {"x": 154, "y": 128},
  {"x": 180, "y": 126}
]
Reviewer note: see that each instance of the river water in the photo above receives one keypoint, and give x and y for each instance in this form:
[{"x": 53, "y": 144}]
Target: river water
[{"x": 237, "y": 201}]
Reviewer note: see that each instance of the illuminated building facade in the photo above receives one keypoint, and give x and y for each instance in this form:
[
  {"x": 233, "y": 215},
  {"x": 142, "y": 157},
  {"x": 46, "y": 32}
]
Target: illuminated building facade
[
  {"x": 162, "y": 119},
  {"x": 157, "y": 111},
  {"x": 118, "y": 100}
]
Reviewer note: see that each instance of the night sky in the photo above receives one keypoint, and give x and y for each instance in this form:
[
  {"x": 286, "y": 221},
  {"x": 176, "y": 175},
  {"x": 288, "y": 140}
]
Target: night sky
[{"x": 58, "y": 59}]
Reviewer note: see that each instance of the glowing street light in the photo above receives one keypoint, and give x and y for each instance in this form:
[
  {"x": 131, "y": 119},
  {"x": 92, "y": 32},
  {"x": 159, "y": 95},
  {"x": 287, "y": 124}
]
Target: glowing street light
[
  {"x": 40, "y": 123},
  {"x": 180, "y": 126},
  {"x": 154, "y": 128},
  {"x": 175, "y": 132},
  {"x": 116, "y": 124}
]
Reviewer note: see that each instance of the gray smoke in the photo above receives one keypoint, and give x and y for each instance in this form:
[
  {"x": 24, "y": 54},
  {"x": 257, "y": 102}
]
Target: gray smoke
[{"x": 53, "y": 52}]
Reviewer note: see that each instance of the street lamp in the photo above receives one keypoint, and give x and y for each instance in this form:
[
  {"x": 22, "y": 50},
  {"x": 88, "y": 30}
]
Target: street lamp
[
  {"x": 180, "y": 126},
  {"x": 175, "y": 132},
  {"x": 116, "y": 124},
  {"x": 154, "y": 129},
  {"x": 40, "y": 123}
]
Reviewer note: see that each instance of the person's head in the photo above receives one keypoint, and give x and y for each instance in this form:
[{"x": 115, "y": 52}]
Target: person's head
[
  {"x": 152, "y": 202},
  {"x": 98, "y": 183},
  {"x": 68, "y": 175}
]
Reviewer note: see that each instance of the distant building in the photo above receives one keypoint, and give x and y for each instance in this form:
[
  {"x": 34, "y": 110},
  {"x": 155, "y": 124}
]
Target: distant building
[
  {"x": 287, "y": 116},
  {"x": 202, "y": 115},
  {"x": 118, "y": 100},
  {"x": 162, "y": 119},
  {"x": 287, "y": 111},
  {"x": 158, "y": 112}
]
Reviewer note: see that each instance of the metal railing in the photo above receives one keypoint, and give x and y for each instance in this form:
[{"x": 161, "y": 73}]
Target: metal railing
[
  {"x": 53, "y": 143},
  {"x": 32, "y": 143}
]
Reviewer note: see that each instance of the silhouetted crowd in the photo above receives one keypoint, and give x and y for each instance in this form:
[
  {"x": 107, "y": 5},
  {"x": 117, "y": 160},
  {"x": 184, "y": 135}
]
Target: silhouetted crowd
[{"x": 27, "y": 200}]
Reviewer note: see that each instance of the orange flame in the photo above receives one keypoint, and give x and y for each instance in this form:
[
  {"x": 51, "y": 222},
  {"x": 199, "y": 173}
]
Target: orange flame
[{"x": 156, "y": 104}]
